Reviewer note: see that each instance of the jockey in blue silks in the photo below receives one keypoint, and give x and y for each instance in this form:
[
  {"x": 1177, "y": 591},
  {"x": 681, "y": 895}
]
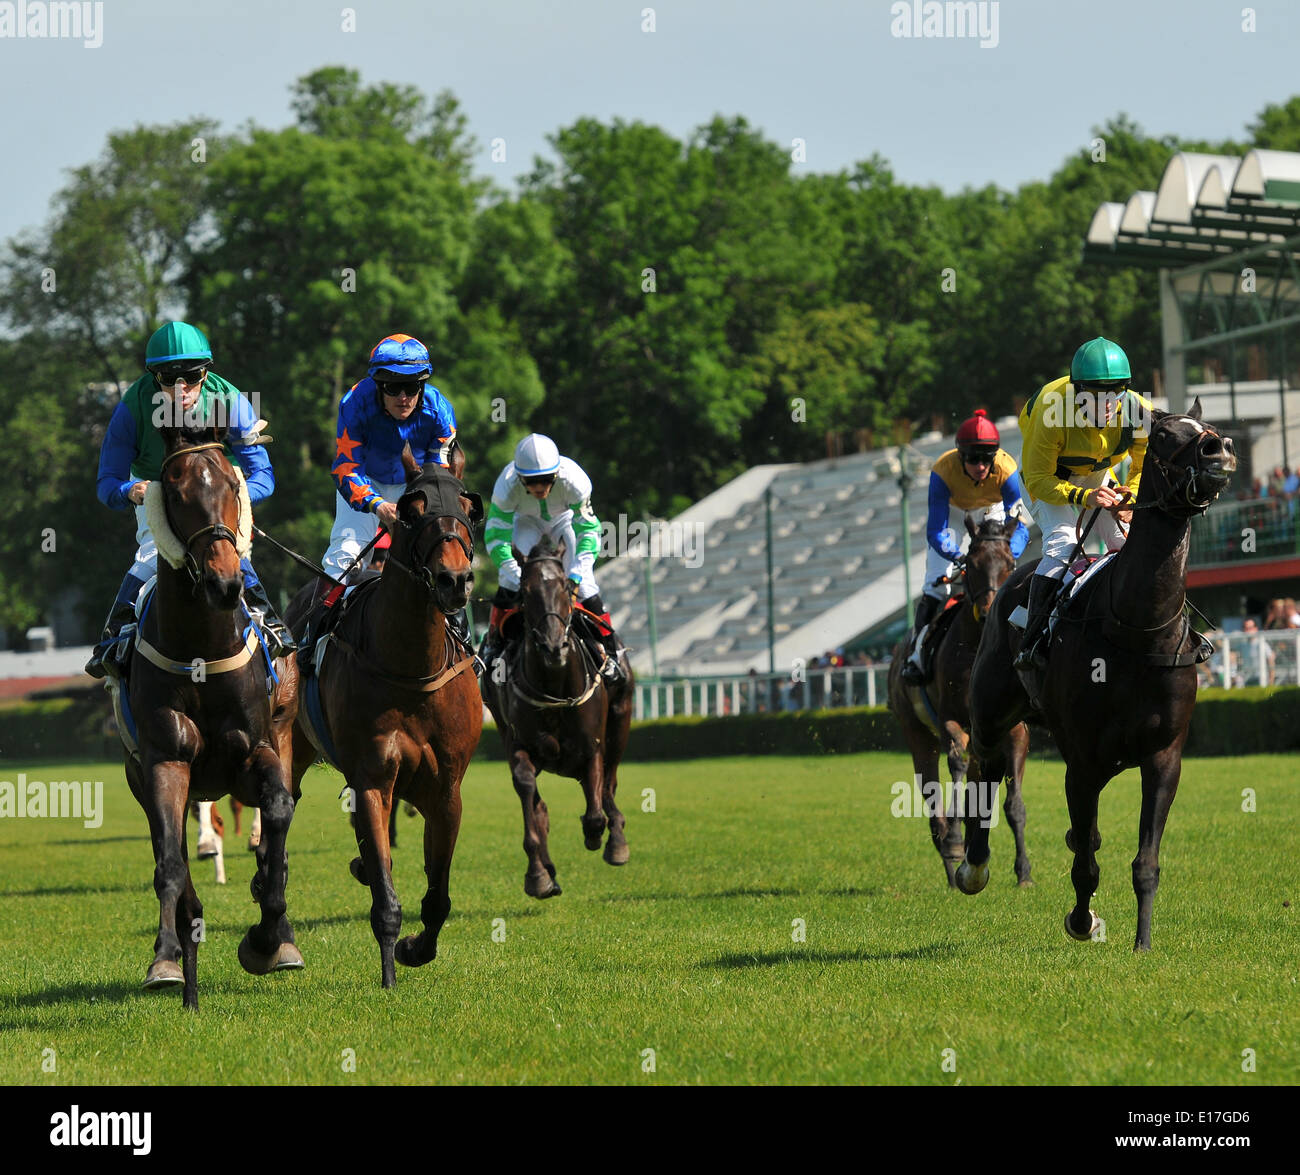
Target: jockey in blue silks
[{"x": 178, "y": 375}]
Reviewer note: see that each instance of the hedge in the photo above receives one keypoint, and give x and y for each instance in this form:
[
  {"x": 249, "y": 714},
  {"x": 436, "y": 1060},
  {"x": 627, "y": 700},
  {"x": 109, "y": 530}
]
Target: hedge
[{"x": 1257, "y": 719}]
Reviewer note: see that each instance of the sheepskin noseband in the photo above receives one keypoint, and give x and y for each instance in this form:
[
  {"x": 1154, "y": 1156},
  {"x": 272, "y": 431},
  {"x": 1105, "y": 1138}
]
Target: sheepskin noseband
[{"x": 170, "y": 547}]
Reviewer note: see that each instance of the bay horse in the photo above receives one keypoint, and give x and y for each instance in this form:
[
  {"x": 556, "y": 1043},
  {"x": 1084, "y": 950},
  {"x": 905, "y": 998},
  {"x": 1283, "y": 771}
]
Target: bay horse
[
  {"x": 1120, "y": 685},
  {"x": 557, "y": 712},
  {"x": 211, "y": 717},
  {"x": 936, "y": 718},
  {"x": 400, "y": 702}
]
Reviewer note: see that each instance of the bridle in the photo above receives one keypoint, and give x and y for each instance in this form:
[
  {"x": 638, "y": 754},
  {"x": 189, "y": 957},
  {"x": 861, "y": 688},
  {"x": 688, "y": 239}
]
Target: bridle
[
  {"x": 961, "y": 567},
  {"x": 218, "y": 530},
  {"x": 567, "y": 620},
  {"x": 1185, "y": 492},
  {"x": 421, "y": 572}
]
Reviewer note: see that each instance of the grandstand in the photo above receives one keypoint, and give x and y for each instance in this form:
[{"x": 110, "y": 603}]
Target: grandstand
[{"x": 837, "y": 559}]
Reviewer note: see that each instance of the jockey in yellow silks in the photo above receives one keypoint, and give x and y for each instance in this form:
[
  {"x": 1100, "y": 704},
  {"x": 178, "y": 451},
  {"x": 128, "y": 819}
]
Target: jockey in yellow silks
[{"x": 1077, "y": 430}]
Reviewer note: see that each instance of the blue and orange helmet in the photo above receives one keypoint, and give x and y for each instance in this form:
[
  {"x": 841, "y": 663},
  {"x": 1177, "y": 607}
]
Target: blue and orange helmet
[{"x": 400, "y": 359}]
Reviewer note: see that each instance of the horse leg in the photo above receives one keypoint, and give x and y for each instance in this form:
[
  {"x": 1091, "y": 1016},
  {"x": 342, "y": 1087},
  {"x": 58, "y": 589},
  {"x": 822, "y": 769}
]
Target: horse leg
[
  {"x": 593, "y": 819},
  {"x": 616, "y": 850},
  {"x": 165, "y": 788},
  {"x": 441, "y": 827},
  {"x": 190, "y": 920},
  {"x": 973, "y": 872},
  {"x": 1160, "y": 774},
  {"x": 948, "y": 838},
  {"x": 1014, "y": 804},
  {"x": 373, "y": 806},
  {"x": 255, "y": 833},
  {"x": 539, "y": 880},
  {"x": 1083, "y": 840},
  {"x": 269, "y": 945}
]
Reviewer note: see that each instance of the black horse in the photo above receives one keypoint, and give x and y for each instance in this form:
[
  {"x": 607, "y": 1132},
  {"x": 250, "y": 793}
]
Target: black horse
[
  {"x": 1120, "y": 685},
  {"x": 557, "y": 712}
]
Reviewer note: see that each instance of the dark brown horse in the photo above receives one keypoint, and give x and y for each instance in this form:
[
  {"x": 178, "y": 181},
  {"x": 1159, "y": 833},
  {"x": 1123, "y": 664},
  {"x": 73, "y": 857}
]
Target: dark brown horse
[
  {"x": 400, "y": 702},
  {"x": 207, "y": 725},
  {"x": 1120, "y": 685},
  {"x": 935, "y": 719},
  {"x": 557, "y": 712}
]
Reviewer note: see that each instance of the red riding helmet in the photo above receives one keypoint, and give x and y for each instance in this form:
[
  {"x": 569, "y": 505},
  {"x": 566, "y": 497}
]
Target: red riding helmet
[{"x": 978, "y": 437}]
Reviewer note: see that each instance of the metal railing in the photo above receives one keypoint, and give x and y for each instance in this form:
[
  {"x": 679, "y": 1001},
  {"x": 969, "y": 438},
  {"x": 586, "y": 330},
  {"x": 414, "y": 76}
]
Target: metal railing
[
  {"x": 1240, "y": 659},
  {"x": 1261, "y": 528}
]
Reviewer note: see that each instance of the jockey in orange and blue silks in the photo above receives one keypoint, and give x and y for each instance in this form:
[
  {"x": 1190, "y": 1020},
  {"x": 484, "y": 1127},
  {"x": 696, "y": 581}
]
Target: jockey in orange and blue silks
[
  {"x": 976, "y": 480},
  {"x": 392, "y": 407}
]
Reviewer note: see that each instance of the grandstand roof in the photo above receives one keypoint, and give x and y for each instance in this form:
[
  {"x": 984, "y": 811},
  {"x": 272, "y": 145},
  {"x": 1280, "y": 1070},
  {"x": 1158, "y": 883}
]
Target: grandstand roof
[
  {"x": 837, "y": 546},
  {"x": 1206, "y": 206}
]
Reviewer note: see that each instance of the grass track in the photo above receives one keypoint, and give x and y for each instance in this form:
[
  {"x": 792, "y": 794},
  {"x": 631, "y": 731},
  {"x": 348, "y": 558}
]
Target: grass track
[{"x": 688, "y": 950}]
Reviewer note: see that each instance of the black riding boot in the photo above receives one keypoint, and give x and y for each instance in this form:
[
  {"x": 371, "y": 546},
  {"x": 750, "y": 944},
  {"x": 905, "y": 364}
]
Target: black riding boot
[
  {"x": 278, "y": 637},
  {"x": 612, "y": 669},
  {"x": 914, "y": 674},
  {"x": 1042, "y": 592},
  {"x": 110, "y": 654},
  {"x": 314, "y": 621}
]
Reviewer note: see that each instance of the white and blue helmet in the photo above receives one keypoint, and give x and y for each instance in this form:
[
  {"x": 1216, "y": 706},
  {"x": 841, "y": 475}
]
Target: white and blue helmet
[{"x": 536, "y": 456}]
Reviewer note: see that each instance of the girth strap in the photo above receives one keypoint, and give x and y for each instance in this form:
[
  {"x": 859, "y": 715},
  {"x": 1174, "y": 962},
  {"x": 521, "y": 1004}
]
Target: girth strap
[
  {"x": 424, "y": 685},
  {"x": 186, "y": 668}
]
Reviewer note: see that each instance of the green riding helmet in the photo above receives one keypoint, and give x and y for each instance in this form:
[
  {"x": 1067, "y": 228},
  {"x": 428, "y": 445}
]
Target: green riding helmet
[
  {"x": 1099, "y": 361},
  {"x": 174, "y": 342}
]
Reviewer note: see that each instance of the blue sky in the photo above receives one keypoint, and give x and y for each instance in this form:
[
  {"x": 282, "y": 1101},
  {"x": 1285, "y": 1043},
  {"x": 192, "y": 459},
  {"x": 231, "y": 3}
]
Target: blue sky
[{"x": 944, "y": 111}]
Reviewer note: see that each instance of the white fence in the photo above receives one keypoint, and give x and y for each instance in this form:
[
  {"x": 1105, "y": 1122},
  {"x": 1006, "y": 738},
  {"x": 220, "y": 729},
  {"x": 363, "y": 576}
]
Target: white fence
[{"x": 1240, "y": 659}]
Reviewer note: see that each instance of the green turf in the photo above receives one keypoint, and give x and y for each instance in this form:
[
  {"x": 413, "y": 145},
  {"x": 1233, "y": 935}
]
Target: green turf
[{"x": 688, "y": 950}]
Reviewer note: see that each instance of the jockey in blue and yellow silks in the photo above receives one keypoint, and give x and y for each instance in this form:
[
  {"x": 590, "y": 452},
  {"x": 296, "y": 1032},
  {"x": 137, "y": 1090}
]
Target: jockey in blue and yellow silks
[
  {"x": 1077, "y": 429},
  {"x": 393, "y": 406},
  {"x": 178, "y": 374},
  {"x": 976, "y": 480}
]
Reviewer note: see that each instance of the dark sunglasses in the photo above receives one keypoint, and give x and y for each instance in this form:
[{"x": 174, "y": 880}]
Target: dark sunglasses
[
  {"x": 170, "y": 377},
  {"x": 548, "y": 480},
  {"x": 979, "y": 458},
  {"x": 408, "y": 390}
]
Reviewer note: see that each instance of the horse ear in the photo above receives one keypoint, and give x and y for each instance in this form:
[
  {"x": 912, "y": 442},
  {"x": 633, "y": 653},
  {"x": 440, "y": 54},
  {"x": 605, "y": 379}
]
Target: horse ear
[
  {"x": 1195, "y": 413},
  {"x": 409, "y": 463},
  {"x": 475, "y": 506},
  {"x": 1010, "y": 526},
  {"x": 456, "y": 461},
  {"x": 970, "y": 526}
]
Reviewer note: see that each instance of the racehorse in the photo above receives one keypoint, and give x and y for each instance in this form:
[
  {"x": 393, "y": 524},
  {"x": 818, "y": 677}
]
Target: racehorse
[
  {"x": 211, "y": 718},
  {"x": 401, "y": 713},
  {"x": 557, "y": 712},
  {"x": 935, "y": 718},
  {"x": 1120, "y": 685}
]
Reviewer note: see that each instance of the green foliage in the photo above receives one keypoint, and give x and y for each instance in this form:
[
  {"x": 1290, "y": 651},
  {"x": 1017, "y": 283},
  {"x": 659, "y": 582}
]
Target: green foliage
[{"x": 670, "y": 311}]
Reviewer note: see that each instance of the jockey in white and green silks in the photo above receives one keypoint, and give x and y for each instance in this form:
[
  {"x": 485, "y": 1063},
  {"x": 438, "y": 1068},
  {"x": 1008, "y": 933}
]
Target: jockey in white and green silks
[{"x": 538, "y": 493}]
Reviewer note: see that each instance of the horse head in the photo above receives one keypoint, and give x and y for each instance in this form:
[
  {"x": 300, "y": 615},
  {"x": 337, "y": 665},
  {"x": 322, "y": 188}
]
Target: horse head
[
  {"x": 436, "y": 555},
  {"x": 1192, "y": 460},
  {"x": 544, "y": 594},
  {"x": 199, "y": 514},
  {"x": 988, "y": 561}
]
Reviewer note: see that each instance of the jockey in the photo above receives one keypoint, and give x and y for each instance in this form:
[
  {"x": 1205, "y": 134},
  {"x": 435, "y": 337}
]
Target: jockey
[
  {"x": 1076, "y": 430},
  {"x": 393, "y": 406},
  {"x": 177, "y": 374},
  {"x": 521, "y": 512},
  {"x": 976, "y": 480}
]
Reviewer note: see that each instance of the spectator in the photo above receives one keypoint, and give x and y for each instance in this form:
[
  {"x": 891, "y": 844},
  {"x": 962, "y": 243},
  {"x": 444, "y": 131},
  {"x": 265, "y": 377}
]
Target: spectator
[
  {"x": 1275, "y": 482},
  {"x": 1290, "y": 614},
  {"x": 1275, "y": 617},
  {"x": 1250, "y": 656}
]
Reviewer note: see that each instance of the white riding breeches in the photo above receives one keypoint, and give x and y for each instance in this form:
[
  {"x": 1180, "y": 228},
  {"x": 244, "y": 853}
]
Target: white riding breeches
[
  {"x": 529, "y": 529},
  {"x": 1058, "y": 525},
  {"x": 939, "y": 566},
  {"x": 353, "y": 529}
]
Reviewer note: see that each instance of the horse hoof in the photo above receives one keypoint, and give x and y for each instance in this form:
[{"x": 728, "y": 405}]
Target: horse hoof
[
  {"x": 1026, "y": 883},
  {"x": 253, "y": 842},
  {"x": 287, "y": 958},
  {"x": 592, "y": 843},
  {"x": 972, "y": 878},
  {"x": 541, "y": 887},
  {"x": 208, "y": 846},
  {"x": 616, "y": 854},
  {"x": 163, "y": 973},
  {"x": 408, "y": 955},
  {"x": 357, "y": 867},
  {"x": 1096, "y": 926}
]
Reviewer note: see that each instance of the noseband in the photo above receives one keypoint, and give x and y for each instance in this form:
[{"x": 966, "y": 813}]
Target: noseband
[
  {"x": 961, "y": 565},
  {"x": 1184, "y": 492},
  {"x": 217, "y": 530},
  {"x": 421, "y": 572}
]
